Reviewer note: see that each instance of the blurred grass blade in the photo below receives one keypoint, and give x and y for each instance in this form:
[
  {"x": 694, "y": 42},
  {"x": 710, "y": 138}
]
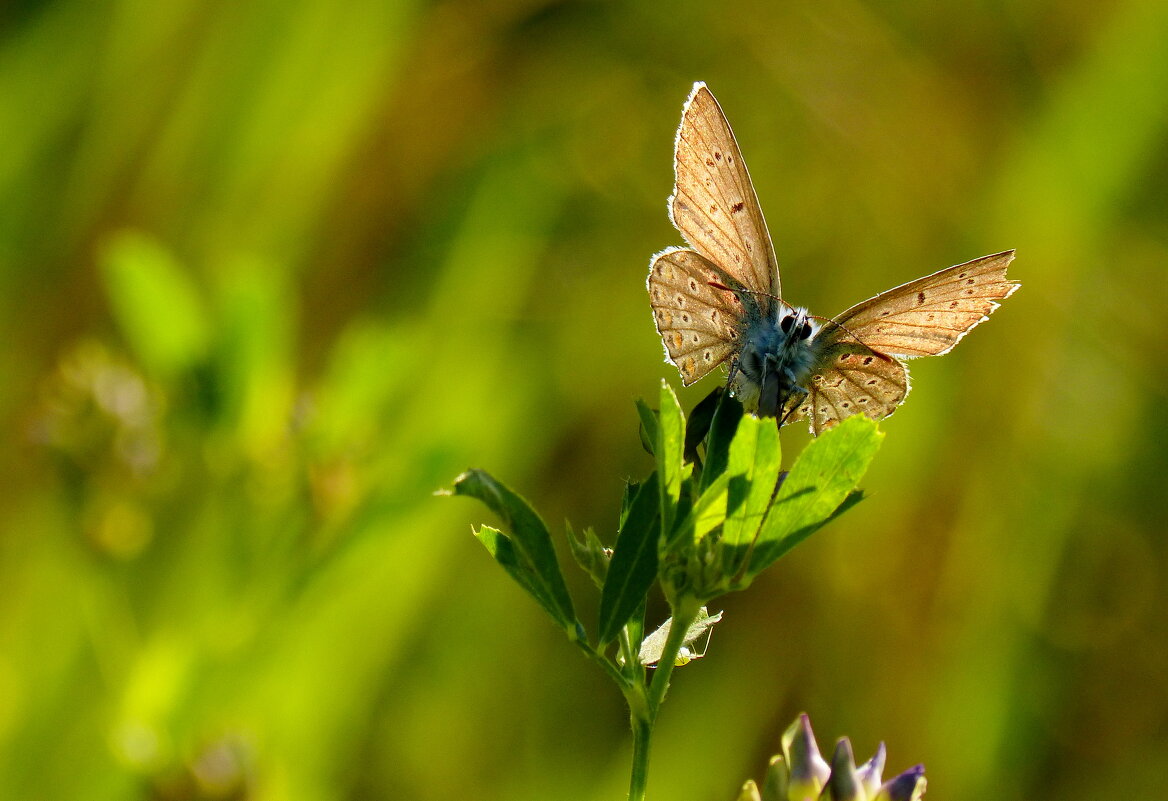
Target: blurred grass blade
[
  {"x": 634, "y": 562},
  {"x": 820, "y": 482},
  {"x": 525, "y": 550},
  {"x": 254, "y": 352},
  {"x": 155, "y": 302}
]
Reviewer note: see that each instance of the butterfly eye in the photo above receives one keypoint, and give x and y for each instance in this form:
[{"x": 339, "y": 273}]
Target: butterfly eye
[
  {"x": 805, "y": 331},
  {"x": 786, "y": 324}
]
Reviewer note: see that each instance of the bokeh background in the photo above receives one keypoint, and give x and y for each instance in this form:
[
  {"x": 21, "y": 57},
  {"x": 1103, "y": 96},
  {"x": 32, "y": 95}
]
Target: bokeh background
[{"x": 271, "y": 273}]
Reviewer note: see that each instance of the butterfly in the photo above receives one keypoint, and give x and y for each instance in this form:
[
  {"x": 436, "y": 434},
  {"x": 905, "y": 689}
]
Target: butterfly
[{"x": 719, "y": 301}]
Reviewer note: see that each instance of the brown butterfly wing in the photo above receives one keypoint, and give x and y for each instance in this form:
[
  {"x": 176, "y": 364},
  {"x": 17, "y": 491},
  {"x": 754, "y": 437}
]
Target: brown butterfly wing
[
  {"x": 927, "y": 317},
  {"x": 849, "y": 379},
  {"x": 713, "y": 203},
  {"x": 698, "y": 324}
]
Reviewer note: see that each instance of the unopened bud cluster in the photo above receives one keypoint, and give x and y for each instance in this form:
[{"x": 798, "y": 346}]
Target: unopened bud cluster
[{"x": 800, "y": 773}]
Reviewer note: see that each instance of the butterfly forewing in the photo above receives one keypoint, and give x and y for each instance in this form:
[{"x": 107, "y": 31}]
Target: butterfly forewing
[
  {"x": 713, "y": 203},
  {"x": 849, "y": 379},
  {"x": 928, "y": 316},
  {"x": 698, "y": 324}
]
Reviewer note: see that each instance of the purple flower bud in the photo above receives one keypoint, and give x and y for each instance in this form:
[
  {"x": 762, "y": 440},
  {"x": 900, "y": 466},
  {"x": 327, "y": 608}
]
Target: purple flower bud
[
  {"x": 870, "y": 771},
  {"x": 908, "y": 786},
  {"x": 808, "y": 769},
  {"x": 844, "y": 783}
]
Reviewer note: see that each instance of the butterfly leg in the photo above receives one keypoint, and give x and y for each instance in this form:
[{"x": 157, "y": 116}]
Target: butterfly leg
[{"x": 733, "y": 373}]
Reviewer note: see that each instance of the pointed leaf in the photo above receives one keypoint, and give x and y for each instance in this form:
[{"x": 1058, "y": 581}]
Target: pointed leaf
[
  {"x": 589, "y": 553},
  {"x": 698, "y": 425},
  {"x": 757, "y": 563},
  {"x": 630, "y": 492},
  {"x": 503, "y": 550},
  {"x": 649, "y": 427},
  {"x": 634, "y": 562},
  {"x": 532, "y": 553},
  {"x": 821, "y": 481}
]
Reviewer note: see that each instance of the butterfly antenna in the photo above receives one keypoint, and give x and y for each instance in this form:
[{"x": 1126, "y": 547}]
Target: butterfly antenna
[
  {"x": 724, "y": 288},
  {"x": 828, "y": 321},
  {"x": 837, "y": 324}
]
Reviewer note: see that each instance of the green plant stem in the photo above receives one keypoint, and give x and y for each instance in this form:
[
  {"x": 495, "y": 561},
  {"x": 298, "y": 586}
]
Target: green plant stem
[
  {"x": 641, "y": 721},
  {"x": 644, "y": 701}
]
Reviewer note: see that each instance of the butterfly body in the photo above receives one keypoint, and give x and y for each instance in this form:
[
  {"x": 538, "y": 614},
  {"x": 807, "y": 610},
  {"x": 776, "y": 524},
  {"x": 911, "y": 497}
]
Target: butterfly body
[
  {"x": 719, "y": 301},
  {"x": 775, "y": 361}
]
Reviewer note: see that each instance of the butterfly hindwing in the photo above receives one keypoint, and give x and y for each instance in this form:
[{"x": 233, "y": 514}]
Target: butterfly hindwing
[
  {"x": 699, "y": 325},
  {"x": 714, "y": 205},
  {"x": 849, "y": 379},
  {"x": 927, "y": 317}
]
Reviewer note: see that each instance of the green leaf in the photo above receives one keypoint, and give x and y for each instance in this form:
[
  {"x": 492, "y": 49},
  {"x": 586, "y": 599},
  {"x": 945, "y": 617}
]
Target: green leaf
[
  {"x": 627, "y": 496},
  {"x": 708, "y": 512},
  {"x": 681, "y": 513},
  {"x": 698, "y": 425},
  {"x": 670, "y": 442},
  {"x": 635, "y": 632},
  {"x": 753, "y": 464},
  {"x": 649, "y": 427},
  {"x": 821, "y": 480},
  {"x": 155, "y": 302},
  {"x": 502, "y": 549},
  {"x": 634, "y": 562},
  {"x": 589, "y": 553},
  {"x": 722, "y": 432},
  {"x": 525, "y": 551}
]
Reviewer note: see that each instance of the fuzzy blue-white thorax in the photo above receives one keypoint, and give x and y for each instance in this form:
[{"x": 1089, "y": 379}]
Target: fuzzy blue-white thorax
[{"x": 775, "y": 360}]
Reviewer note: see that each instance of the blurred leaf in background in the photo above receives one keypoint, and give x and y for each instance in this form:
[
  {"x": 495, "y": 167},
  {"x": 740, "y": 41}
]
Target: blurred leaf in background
[{"x": 272, "y": 273}]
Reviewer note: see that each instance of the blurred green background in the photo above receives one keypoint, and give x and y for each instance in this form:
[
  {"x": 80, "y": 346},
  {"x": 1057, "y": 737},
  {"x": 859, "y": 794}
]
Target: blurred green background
[{"x": 271, "y": 273}]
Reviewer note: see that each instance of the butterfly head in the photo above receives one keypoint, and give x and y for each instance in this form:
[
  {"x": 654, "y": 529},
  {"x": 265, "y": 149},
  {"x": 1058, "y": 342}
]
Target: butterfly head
[{"x": 797, "y": 325}]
